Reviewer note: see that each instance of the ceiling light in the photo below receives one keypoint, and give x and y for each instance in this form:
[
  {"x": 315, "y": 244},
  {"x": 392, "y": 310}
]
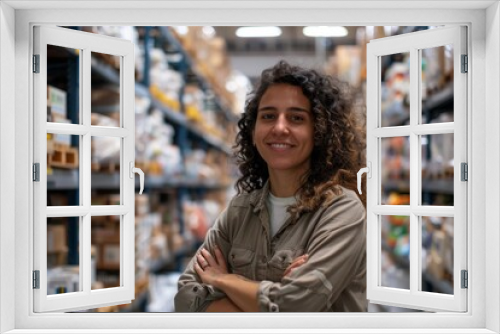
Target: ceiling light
[
  {"x": 258, "y": 32},
  {"x": 181, "y": 30},
  {"x": 208, "y": 31},
  {"x": 323, "y": 31}
]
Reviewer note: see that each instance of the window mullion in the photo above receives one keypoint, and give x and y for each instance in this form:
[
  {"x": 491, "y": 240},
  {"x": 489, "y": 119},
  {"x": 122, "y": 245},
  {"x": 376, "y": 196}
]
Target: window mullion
[
  {"x": 85, "y": 258},
  {"x": 85, "y": 178},
  {"x": 414, "y": 168}
]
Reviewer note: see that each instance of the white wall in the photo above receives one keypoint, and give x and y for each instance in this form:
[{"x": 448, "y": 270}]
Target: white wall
[
  {"x": 492, "y": 157},
  {"x": 7, "y": 160}
]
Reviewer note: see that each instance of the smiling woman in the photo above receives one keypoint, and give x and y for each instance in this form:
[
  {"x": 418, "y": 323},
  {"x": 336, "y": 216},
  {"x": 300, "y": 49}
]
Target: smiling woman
[{"x": 293, "y": 239}]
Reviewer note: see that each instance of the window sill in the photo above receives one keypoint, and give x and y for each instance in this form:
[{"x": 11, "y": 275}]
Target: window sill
[{"x": 254, "y": 331}]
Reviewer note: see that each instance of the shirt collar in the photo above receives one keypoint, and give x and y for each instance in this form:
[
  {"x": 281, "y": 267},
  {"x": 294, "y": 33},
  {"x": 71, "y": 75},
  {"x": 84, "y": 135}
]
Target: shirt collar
[
  {"x": 258, "y": 200},
  {"x": 258, "y": 197}
]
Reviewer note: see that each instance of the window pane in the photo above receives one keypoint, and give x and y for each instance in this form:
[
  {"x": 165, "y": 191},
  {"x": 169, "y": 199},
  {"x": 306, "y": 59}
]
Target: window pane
[
  {"x": 437, "y": 169},
  {"x": 63, "y": 73},
  {"x": 63, "y": 256},
  {"x": 395, "y": 250},
  {"x": 437, "y": 254},
  {"x": 105, "y": 100},
  {"x": 63, "y": 168},
  {"x": 105, "y": 165},
  {"x": 395, "y": 89},
  {"x": 105, "y": 234},
  {"x": 395, "y": 171},
  {"x": 437, "y": 84}
]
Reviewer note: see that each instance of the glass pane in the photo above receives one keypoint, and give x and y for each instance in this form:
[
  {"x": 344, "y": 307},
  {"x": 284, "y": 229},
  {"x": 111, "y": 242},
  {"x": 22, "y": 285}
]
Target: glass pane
[
  {"x": 105, "y": 250},
  {"x": 437, "y": 84},
  {"x": 63, "y": 168},
  {"x": 63, "y": 75},
  {"x": 105, "y": 165},
  {"x": 437, "y": 169},
  {"x": 395, "y": 89},
  {"x": 105, "y": 83},
  {"x": 63, "y": 256},
  {"x": 395, "y": 171},
  {"x": 437, "y": 254},
  {"x": 395, "y": 248}
]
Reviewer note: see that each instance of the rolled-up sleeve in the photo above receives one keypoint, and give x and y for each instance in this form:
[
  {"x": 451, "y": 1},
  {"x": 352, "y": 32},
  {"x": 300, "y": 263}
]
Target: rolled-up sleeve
[
  {"x": 193, "y": 295},
  {"x": 337, "y": 252}
]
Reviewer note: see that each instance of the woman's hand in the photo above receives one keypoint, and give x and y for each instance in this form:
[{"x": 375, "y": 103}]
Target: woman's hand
[
  {"x": 296, "y": 263},
  {"x": 211, "y": 269}
]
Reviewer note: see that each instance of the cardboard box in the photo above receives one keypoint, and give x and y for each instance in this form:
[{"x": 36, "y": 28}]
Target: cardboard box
[
  {"x": 57, "y": 99},
  {"x": 56, "y": 238}
]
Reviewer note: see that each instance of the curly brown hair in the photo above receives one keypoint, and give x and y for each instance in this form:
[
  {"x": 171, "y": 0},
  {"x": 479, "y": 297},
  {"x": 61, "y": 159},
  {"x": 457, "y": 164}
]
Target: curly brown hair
[{"x": 338, "y": 139}]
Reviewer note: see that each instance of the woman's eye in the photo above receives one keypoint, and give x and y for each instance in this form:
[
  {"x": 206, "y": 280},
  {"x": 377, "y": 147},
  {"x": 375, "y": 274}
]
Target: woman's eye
[
  {"x": 297, "y": 118},
  {"x": 267, "y": 116}
]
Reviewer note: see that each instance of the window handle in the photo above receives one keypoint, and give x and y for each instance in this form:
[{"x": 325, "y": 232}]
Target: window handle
[
  {"x": 367, "y": 170},
  {"x": 138, "y": 171}
]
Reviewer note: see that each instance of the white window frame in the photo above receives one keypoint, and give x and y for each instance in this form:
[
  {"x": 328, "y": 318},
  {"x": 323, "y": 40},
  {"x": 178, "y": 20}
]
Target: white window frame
[
  {"x": 86, "y": 43},
  {"x": 483, "y": 21},
  {"x": 413, "y": 44}
]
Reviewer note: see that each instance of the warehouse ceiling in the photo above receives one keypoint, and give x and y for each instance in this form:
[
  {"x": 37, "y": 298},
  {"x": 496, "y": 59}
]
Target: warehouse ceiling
[
  {"x": 250, "y": 56},
  {"x": 291, "y": 40}
]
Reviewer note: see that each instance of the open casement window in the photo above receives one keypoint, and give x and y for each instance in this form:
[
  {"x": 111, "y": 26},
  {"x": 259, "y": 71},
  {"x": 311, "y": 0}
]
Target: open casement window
[
  {"x": 65, "y": 143},
  {"x": 416, "y": 154}
]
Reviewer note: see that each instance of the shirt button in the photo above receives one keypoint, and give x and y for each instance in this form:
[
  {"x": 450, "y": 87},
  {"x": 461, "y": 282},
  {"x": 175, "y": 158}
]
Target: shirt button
[
  {"x": 264, "y": 259},
  {"x": 274, "y": 308}
]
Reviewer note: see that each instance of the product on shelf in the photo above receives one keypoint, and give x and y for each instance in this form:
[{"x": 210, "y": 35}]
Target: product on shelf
[
  {"x": 395, "y": 94},
  {"x": 105, "y": 237},
  {"x": 142, "y": 105},
  {"x": 346, "y": 64},
  {"x": 56, "y": 238},
  {"x": 63, "y": 280},
  {"x": 156, "y": 138},
  {"x": 210, "y": 60},
  {"x": 438, "y": 246},
  {"x": 141, "y": 205},
  {"x": 195, "y": 220},
  {"x": 162, "y": 290},
  {"x": 106, "y": 98},
  {"x": 105, "y": 150},
  {"x": 60, "y": 154},
  {"x": 56, "y": 100},
  {"x": 165, "y": 83}
]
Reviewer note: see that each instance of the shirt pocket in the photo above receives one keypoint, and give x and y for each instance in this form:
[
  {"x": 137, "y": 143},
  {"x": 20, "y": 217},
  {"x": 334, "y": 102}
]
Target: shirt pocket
[
  {"x": 280, "y": 261},
  {"x": 240, "y": 261}
]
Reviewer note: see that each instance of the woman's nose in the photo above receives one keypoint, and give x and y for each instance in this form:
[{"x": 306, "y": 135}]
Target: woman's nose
[{"x": 281, "y": 124}]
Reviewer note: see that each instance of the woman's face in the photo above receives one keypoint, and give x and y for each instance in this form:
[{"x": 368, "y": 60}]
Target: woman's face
[{"x": 284, "y": 129}]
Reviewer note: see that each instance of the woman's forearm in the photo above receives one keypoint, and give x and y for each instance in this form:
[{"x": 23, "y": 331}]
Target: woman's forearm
[
  {"x": 241, "y": 291},
  {"x": 223, "y": 305}
]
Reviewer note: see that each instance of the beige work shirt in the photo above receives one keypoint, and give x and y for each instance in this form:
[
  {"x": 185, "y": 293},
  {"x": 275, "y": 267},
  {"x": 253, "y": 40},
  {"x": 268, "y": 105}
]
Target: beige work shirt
[{"x": 333, "y": 279}]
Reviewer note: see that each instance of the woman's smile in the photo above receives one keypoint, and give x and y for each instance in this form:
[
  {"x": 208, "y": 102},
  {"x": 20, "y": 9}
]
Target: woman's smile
[{"x": 281, "y": 147}]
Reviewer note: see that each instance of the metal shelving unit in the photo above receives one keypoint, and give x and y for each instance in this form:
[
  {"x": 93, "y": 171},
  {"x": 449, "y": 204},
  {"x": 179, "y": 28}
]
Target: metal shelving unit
[
  {"x": 181, "y": 120},
  {"x": 428, "y": 185},
  {"x": 109, "y": 74},
  {"x": 62, "y": 179},
  {"x": 169, "y": 38},
  {"x": 66, "y": 181}
]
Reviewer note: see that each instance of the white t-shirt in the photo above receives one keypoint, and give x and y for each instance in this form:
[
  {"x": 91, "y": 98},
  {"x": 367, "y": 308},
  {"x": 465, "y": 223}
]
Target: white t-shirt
[{"x": 277, "y": 211}]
